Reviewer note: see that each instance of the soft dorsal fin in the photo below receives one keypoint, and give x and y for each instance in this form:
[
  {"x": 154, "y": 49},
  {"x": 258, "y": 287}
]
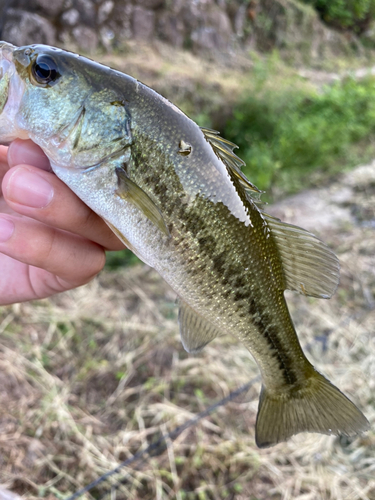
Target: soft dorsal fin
[
  {"x": 196, "y": 331},
  {"x": 224, "y": 150},
  {"x": 310, "y": 267}
]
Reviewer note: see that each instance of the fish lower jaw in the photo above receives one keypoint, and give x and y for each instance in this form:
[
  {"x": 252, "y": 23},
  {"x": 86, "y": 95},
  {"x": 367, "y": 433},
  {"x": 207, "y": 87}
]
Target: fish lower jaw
[
  {"x": 12, "y": 90},
  {"x": 9, "y": 133}
]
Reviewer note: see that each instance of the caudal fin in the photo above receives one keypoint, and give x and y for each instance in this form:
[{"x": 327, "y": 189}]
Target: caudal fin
[{"x": 318, "y": 406}]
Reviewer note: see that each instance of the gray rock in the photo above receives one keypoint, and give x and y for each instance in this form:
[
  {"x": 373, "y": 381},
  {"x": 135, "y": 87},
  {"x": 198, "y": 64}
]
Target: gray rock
[
  {"x": 105, "y": 10},
  {"x": 51, "y": 8},
  {"x": 150, "y": 4},
  {"x": 45, "y": 8},
  {"x": 171, "y": 29},
  {"x": 191, "y": 16},
  {"x": 120, "y": 21},
  {"x": 239, "y": 20},
  {"x": 215, "y": 34},
  {"x": 176, "y": 6},
  {"x": 87, "y": 12},
  {"x": 70, "y": 17},
  {"x": 86, "y": 38},
  {"x": 143, "y": 23},
  {"x": 23, "y": 28}
]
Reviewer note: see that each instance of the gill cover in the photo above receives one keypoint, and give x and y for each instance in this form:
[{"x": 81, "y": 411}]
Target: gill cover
[{"x": 67, "y": 108}]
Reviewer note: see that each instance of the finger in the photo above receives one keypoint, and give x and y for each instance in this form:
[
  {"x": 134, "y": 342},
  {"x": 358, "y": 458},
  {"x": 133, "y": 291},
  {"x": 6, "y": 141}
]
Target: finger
[
  {"x": 4, "y": 167},
  {"x": 74, "y": 260},
  {"x": 3, "y": 154},
  {"x": 27, "y": 152},
  {"x": 41, "y": 195}
]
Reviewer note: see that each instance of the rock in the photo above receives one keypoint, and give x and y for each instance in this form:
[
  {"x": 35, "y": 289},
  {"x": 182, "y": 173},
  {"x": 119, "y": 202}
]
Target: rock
[
  {"x": 105, "y": 10},
  {"x": 46, "y": 8},
  {"x": 277, "y": 23},
  {"x": 87, "y": 12},
  {"x": 86, "y": 38},
  {"x": 143, "y": 23},
  {"x": 216, "y": 27},
  {"x": 190, "y": 15},
  {"x": 24, "y": 28},
  {"x": 314, "y": 210},
  {"x": 361, "y": 177},
  {"x": 171, "y": 29},
  {"x": 151, "y": 4},
  {"x": 51, "y": 8},
  {"x": 215, "y": 34},
  {"x": 120, "y": 21},
  {"x": 239, "y": 20},
  {"x": 70, "y": 17}
]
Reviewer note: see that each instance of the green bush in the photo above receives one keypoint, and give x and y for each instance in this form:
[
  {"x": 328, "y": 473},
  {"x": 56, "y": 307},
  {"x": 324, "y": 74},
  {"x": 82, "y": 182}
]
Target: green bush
[
  {"x": 286, "y": 134},
  {"x": 121, "y": 258},
  {"x": 354, "y": 15}
]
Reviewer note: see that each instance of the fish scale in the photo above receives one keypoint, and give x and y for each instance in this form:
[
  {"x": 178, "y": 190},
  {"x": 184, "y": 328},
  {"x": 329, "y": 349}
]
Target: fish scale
[
  {"x": 225, "y": 280},
  {"x": 175, "y": 195}
]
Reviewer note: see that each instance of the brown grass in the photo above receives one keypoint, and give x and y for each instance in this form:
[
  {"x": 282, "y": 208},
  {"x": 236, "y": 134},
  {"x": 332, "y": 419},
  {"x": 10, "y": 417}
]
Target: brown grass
[{"x": 91, "y": 376}]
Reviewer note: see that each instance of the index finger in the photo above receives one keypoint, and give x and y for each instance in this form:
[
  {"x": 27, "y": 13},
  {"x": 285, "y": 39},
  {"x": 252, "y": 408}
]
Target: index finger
[
  {"x": 27, "y": 153},
  {"x": 3, "y": 160},
  {"x": 4, "y": 167}
]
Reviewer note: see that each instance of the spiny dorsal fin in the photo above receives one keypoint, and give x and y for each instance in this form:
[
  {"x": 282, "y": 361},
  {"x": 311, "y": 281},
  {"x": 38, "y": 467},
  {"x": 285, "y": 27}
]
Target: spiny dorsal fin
[
  {"x": 224, "y": 150},
  {"x": 310, "y": 267},
  {"x": 196, "y": 332}
]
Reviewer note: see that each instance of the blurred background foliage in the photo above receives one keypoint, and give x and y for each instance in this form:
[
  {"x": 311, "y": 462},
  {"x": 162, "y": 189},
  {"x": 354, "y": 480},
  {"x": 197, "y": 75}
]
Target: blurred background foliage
[
  {"x": 354, "y": 15},
  {"x": 287, "y": 133}
]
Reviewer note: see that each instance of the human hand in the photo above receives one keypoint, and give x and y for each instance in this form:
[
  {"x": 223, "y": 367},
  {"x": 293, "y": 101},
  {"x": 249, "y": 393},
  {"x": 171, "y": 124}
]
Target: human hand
[{"x": 50, "y": 241}]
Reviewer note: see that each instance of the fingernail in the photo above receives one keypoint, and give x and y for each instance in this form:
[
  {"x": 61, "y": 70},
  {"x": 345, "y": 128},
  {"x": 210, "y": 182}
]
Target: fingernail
[
  {"x": 6, "y": 229},
  {"x": 27, "y": 152},
  {"x": 29, "y": 189}
]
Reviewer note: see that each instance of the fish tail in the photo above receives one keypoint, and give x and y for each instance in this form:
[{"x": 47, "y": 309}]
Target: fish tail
[{"x": 316, "y": 406}]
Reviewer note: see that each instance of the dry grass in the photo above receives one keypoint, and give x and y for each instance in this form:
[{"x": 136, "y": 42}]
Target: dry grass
[{"x": 91, "y": 376}]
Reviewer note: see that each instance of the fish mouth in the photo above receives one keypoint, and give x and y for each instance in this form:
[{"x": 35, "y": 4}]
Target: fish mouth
[
  {"x": 6, "y": 57},
  {"x": 6, "y": 52},
  {"x": 11, "y": 90}
]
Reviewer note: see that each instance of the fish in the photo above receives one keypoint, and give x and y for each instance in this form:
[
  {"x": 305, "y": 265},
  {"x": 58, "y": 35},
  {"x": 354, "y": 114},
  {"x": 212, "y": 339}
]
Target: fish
[{"x": 175, "y": 194}]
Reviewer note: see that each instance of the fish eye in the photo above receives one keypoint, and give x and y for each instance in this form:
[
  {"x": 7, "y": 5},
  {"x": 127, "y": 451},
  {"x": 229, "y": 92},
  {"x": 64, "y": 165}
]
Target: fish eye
[{"x": 44, "y": 70}]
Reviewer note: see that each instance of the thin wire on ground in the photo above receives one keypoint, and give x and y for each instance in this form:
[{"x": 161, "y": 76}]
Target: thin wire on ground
[{"x": 160, "y": 445}]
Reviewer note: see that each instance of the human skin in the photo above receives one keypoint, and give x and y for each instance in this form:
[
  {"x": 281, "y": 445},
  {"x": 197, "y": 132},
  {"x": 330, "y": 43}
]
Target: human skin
[{"x": 50, "y": 241}]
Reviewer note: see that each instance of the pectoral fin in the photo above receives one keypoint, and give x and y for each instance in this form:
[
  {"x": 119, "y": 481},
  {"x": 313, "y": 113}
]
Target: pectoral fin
[
  {"x": 196, "y": 331},
  {"x": 129, "y": 191},
  {"x": 310, "y": 267}
]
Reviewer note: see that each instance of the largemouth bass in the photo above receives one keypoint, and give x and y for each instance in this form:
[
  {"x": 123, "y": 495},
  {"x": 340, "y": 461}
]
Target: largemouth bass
[{"x": 174, "y": 193}]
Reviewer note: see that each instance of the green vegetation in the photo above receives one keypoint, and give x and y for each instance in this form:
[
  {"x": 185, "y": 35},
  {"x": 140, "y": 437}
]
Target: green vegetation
[
  {"x": 286, "y": 133},
  {"x": 121, "y": 258},
  {"x": 353, "y": 15}
]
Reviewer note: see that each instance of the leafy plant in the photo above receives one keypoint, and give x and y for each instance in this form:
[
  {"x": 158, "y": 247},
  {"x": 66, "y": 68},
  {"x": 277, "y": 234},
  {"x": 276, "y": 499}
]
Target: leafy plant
[
  {"x": 354, "y": 15},
  {"x": 286, "y": 134}
]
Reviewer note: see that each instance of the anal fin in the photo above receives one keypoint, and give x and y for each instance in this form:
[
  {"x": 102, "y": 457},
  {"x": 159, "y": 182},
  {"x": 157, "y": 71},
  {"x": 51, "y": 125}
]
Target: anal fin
[{"x": 196, "y": 331}]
